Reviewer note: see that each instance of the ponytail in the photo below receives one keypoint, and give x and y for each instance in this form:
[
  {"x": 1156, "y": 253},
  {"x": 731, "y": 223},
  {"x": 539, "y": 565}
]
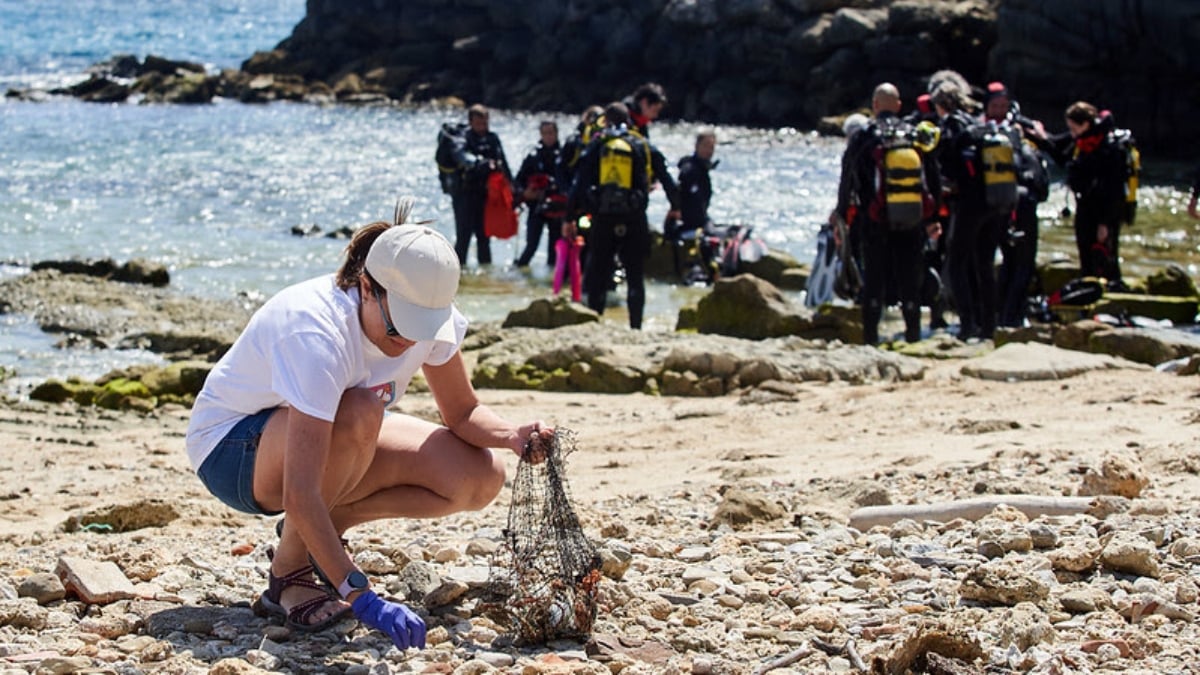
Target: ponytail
[{"x": 356, "y": 251}]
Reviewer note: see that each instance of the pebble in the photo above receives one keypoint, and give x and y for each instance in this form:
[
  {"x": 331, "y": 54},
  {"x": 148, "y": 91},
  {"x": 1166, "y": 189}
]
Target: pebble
[
  {"x": 43, "y": 587},
  {"x": 1061, "y": 594}
]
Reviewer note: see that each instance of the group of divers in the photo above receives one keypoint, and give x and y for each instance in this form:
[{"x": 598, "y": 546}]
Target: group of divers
[
  {"x": 925, "y": 201},
  {"x": 589, "y": 193}
]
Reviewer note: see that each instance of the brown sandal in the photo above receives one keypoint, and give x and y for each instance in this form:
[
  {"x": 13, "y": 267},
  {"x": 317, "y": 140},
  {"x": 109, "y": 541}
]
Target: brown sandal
[
  {"x": 297, "y": 618},
  {"x": 325, "y": 581}
]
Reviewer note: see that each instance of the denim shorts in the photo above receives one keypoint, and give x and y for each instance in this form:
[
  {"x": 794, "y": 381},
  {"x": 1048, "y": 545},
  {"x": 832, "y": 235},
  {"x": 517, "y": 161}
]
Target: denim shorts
[{"x": 228, "y": 472}]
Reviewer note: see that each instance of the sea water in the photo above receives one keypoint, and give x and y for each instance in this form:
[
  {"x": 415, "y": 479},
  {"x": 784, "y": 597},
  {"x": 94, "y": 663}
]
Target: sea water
[{"x": 213, "y": 191}]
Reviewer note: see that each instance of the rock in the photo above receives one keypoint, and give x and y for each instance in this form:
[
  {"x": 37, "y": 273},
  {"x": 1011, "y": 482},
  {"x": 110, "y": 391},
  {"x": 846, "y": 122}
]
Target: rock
[
  {"x": 1084, "y": 600},
  {"x": 1177, "y": 310},
  {"x": 141, "y": 271},
  {"x": 109, "y": 627},
  {"x": 1024, "y": 626},
  {"x": 929, "y": 638},
  {"x": 614, "y": 561},
  {"x": 824, "y": 619},
  {"x": 1172, "y": 280},
  {"x": 448, "y": 592},
  {"x": 482, "y": 548},
  {"x": 125, "y": 517},
  {"x": 551, "y": 313},
  {"x": 1131, "y": 553},
  {"x": 416, "y": 580},
  {"x": 1002, "y": 583},
  {"x": 233, "y": 666},
  {"x": 1120, "y": 475},
  {"x": 1075, "y": 554},
  {"x": 746, "y": 306},
  {"x": 1034, "y": 361},
  {"x": 606, "y": 648},
  {"x": 1043, "y": 536},
  {"x": 96, "y": 583},
  {"x": 1076, "y": 336},
  {"x": 23, "y": 613},
  {"x": 1007, "y": 535},
  {"x": 739, "y": 508},
  {"x": 44, "y": 588},
  {"x": 374, "y": 562},
  {"x": 62, "y": 665},
  {"x": 133, "y": 315},
  {"x": 1144, "y": 345}
]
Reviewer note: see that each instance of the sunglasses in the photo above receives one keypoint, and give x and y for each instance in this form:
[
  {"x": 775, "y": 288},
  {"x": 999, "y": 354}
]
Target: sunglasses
[{"x": 387, "y": 321}]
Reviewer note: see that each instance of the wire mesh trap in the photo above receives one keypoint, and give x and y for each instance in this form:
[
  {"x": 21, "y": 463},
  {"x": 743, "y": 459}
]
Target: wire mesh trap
[{"x": 544, "y": 578}]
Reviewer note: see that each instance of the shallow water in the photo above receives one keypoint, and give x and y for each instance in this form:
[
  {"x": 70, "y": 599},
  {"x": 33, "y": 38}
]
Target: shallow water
[{"x": 213, "y": 191}]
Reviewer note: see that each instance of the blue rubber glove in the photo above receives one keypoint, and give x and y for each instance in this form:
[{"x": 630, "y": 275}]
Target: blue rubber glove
[{"x": 400, "y": 623}]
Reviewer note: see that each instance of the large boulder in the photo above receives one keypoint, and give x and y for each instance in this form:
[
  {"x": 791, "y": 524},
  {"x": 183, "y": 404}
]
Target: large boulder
[
  {"x": 746, "y": 306},
  {"x": 550, "y": 313}
]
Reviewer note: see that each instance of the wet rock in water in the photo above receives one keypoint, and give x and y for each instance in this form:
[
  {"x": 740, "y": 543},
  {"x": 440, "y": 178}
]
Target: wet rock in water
[{"x": 551, "y": 313}]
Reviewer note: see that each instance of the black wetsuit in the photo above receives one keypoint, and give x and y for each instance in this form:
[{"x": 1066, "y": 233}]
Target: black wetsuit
[
  {"x": 658, "y": 162},
  {"x": 976, "y": 229},
  {"x": 544, "y": 161},
  {"x": 892, "y": 258},
  {"x": 695, "y": 194},
  {"x": 469, "y": 200},
  {"x": 615, "y": 235},
  {"x": 1096, "y": 175},
  {"x": 1019, "y": 247}
]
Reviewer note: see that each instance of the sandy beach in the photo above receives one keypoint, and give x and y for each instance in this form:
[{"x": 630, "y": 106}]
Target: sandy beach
[{"x": 648, "y": 477}]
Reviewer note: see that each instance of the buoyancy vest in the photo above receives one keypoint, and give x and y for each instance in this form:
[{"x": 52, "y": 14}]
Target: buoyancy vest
[
  {"x": 615, "y": 192},
  {"x": 998, "y": 162},
  {"x": 1123, "y": 139},
  {"x": 902, "y": 197},
  {"x": 451, "y": 146}
]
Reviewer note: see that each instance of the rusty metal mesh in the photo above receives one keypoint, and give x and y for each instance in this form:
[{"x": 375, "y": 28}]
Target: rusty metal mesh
[{"x": 544, "y": 577}]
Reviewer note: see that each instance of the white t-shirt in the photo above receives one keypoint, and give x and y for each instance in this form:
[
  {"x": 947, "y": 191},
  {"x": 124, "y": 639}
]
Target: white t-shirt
[{"x": 304, "y": 348}]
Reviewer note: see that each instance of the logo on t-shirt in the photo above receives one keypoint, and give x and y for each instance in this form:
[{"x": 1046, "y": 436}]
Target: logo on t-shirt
[{"x": 386, "y": 392}]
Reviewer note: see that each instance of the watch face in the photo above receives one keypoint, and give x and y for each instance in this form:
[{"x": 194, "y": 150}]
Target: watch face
[{"x": 357, "y": 580}]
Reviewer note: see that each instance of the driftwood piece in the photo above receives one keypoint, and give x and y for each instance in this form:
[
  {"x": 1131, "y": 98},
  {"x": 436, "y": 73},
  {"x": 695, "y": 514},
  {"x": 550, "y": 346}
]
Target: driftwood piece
[
  {"x": 786, "y": 660},
  {"x": 971, "y": 509}
]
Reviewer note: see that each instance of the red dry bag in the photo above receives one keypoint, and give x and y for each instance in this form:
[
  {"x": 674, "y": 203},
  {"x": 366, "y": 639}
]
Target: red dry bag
[{"x": 499, "y": 218}]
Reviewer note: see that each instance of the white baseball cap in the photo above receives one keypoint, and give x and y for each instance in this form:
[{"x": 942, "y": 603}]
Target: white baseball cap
[{"x": 419, "y": 269}]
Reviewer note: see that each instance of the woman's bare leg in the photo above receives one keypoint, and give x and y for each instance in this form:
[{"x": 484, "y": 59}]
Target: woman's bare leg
[
  {"x": 421, "y": 470},
  {"x": 352, "y": 447}
]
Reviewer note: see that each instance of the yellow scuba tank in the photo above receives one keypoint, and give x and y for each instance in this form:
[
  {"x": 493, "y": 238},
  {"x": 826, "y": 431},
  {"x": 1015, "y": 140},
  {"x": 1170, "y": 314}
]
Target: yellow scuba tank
[{"x": 999, "y": 167}]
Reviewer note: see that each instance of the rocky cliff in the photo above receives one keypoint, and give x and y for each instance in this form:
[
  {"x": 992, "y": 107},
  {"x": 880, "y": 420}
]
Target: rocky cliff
[{"x": 757, "y": 62}]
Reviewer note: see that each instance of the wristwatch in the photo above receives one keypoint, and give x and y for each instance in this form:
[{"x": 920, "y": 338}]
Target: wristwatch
[{"x": 355, "y": 581}]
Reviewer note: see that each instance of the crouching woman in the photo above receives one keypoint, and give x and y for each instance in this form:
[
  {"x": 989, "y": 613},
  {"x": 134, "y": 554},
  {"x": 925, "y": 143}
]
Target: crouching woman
[{"x": 291, "y": 420}]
